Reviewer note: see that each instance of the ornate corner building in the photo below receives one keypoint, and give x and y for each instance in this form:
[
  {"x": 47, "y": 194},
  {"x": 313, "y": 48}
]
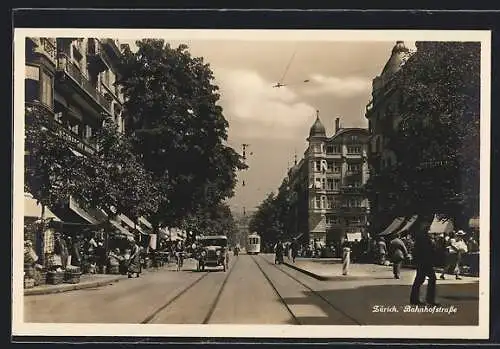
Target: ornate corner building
[{"x": 328, "y": 183}]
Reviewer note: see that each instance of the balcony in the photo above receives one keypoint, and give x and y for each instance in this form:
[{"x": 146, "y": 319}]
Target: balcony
[
  {"x": 73, "y": 72},
  {"x": 353, "y": 210},
  {"x": 97, "y": 56},
  {"x": 351, "y": 190},
  {"x": 72, "y": 138},
  {"x": 47, "y": 48},
  {"x": 113, "y": 45}
]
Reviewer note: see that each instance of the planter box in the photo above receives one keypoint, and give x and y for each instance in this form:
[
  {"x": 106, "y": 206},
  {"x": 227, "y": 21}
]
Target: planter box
[
  {"x": 29, "y": 283},
  {"x": 71, "y": 277},
  {"x": 55, "y": 277}
]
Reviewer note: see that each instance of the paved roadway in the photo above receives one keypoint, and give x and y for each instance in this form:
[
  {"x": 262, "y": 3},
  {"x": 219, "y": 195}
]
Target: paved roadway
[{"x": 253, "y": 291}]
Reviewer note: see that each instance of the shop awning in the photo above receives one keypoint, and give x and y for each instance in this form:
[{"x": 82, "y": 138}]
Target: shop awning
[
  {"x": 354, "y": 236},
  {"x": 145, "y": 222},
  {"x": 440, "y": 226},
  {"x": 396, "y": 223},
  {"x": 33, "y": 209},
  {"x": 121, "y": 229},
  {"x": 81, "y": 212},
  {"x": 408, "y": 224},
  {"x": 127, "y": 221}
]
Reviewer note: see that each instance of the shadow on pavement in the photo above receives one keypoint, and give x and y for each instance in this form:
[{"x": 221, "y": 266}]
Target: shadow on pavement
[{"x": 357, "y": 306}]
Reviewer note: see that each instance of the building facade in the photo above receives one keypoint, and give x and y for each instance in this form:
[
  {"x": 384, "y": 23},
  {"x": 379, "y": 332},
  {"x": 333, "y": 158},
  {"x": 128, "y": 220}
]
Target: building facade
[
  {"x": 383, "y": 121},
  {"x": 328, "y": 184},
  {"x": 73, "y": 79}
]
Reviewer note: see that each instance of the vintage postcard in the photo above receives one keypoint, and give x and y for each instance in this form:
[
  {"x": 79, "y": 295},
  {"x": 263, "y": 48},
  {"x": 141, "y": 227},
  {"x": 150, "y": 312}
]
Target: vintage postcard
[{"x": 251, "y": 183}]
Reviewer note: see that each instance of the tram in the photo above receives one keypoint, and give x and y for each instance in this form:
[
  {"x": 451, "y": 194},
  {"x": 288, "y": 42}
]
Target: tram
[{"x": 253, "y": 244}]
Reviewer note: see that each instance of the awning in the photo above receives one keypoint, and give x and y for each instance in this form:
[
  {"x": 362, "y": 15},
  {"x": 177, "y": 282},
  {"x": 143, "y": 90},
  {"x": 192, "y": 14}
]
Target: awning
[
  {"x": 127, "y": 221},
  {"x": 77, "y": 153},
  {"x": 396, "y": 223},
  {"x": 354, "y": 236},
  {"x": 121, "y": 229},
  {"x": 81, "y": 212},
  {"x": 145, "y": 222},
  {"x": 33, "y": 209},
  {"x": 408, "y": 224},
  {"x": 440, "y": 226}
]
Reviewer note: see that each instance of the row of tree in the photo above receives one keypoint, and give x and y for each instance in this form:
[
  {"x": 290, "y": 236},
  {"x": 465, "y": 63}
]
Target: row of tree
[
  {"x": 275, "y": 218},
  {"x": 172, "y": 165},
  {"x": 437, "y": 143}
]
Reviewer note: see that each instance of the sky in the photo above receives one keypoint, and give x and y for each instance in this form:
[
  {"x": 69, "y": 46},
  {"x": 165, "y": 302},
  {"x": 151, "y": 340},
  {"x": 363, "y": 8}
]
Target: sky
[{"x": 275, "y": 122}]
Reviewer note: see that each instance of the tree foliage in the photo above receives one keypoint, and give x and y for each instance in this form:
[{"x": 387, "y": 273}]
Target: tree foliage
[
  {"x": 119, "y": 184},
  {"x": 437, "y": 143},
  {"x": 52, "y": 172},
  {"x": 275, "y": 218},
  {"x": 178, "y": 128},
  {"x": 215, "y": 220}
]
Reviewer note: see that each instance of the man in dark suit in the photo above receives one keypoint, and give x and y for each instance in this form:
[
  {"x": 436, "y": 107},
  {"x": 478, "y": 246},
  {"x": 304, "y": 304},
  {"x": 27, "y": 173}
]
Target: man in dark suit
[
  {"x": 398, "y": 253},
  {"x": 423, "y": 253}
]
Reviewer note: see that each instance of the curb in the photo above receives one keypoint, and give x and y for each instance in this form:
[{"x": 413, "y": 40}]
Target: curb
[
  {"x": 91, "y": 284},
  {"x": 311, "y": 274},
  {"x": 72, "y": 287}
]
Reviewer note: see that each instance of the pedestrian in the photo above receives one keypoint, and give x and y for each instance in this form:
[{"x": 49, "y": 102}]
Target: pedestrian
[
  {"x": 423, "y": 253},
  {"x": 346, "y": 257},
  {"x": 382, "y": 250},
  {"x": 295, "y": 249},
  {"x": 398, "y": 253},
  {"x": 456, "y": 249},
  {"x": 134, "y": 262}
]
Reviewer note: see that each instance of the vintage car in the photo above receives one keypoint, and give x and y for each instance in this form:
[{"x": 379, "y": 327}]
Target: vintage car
[{"x": 212, "y": 252}]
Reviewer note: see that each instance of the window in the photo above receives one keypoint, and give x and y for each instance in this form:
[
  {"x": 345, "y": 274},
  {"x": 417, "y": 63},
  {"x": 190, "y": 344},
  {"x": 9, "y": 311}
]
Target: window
[
  {"x": 46, "y": 92},
  {"x": 317, "y": 165},
  {"x": 88, "y": 131},
  {"x": 329, "y": 184},
  {"x": 329, "y": 149},
  {"x": 354, "y": 167},
  {"x": 329, "y": 202},
  {"x": 329, "y": 166},
  {"x": 317, "y": 183},
  {"x": 336, "y": 183},
  {"x": 331, "y": 219},
  {"x": 323, "y": 202},
  {"x": 323, "y": 184},
  {"x": 318, "y": 202},
  {"x": 337, "y": 168},
  {"x": 337, "y": 149}
]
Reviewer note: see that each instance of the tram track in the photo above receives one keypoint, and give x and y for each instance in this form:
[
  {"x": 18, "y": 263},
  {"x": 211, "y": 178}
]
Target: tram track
[
  {"x": 171, "y": 302},
  {"x": 216, "y": 301},
  {"x": 295, "y": 319},
  {"x": 335, "y": 308}
]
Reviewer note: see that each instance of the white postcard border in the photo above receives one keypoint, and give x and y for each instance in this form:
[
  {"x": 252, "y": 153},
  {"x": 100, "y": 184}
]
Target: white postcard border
[{"x": 20, "y": 328}]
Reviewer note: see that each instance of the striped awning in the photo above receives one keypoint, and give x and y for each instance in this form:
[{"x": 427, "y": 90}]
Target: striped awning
[{"x": 396, "y": 223}]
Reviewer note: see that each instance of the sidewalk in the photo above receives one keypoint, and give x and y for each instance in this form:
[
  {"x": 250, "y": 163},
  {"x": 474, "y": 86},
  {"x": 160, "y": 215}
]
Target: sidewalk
[
  {"x": 90, "y": 281},
  {"x": 331, "y": 269}
]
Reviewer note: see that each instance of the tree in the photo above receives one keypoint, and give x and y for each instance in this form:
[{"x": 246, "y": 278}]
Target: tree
[
  {"x": 53, "y": 172},
  {"x": 119, "y": 184},
  {"x": 438, "y": 140},
  {"x": 177, "y": 128}
]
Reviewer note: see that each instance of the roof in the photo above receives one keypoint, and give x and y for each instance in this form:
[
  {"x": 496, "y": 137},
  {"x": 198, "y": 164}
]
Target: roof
[
  {"x": 348, "y": 129},
  {"x": 317, "y": 129},
  {"x": 398, "y": 57}
]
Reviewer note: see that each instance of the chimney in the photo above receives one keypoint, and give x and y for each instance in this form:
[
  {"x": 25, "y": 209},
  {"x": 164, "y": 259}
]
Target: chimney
[{"x": 337, "y": 125}]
